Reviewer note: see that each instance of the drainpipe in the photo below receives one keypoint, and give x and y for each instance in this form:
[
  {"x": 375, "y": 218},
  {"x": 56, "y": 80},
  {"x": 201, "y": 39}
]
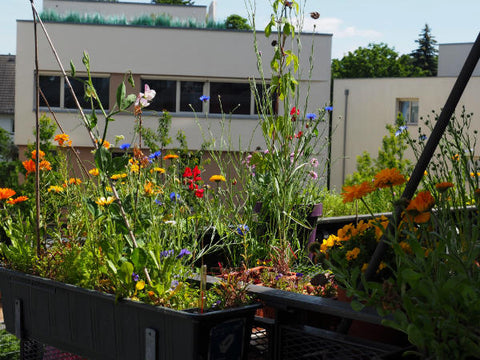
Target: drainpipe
[{"x": 347, "y": 92}]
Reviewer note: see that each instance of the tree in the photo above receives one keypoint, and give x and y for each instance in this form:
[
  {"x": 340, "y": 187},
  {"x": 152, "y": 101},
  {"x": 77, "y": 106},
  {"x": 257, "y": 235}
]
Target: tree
[
  {"x": 237, "y": 22},
  {"x": 425, "y": 56},
  {"x": 9, "y": 163},
  {"x": 374, "y": 61},
  {"x": 174, "y": 2}
]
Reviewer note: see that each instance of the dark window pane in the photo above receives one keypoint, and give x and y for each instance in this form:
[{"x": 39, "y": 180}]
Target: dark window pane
[
  {"x": 50, "y": 86},
  {"x": 165, "y": 97},
  {"x": 271, "y": 106},
  {"x": 190, "y": 92},
  {"x": 234, "y": 97},
  {"x": 101, "y": 85}
]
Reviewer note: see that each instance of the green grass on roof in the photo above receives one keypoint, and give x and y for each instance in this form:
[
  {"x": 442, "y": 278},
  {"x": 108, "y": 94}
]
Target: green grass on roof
[{"x": 163, "y": 20}]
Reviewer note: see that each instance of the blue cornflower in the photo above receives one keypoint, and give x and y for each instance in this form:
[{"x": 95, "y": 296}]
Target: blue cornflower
[
  {"x": 135, "y": 277},
  {"x": 204, "y": 98},
  {"x": 155, "y": 155},
  {"x": 182, "y": 253},
  {"x": 328, "y": 108},
  {"x": 242, "y": 229},
  {"x": 125, "y": 146},
  {"x": 174, "y": 284},
  {"x": 158, "y": 202},
  {"x": 299, "y": 275},
  {"x": 423, "y": 137},
  {"x": 400, "y": 130},
  {"x": 166, "y": 253},
  {"x": 174, "y": 196},
  {"x": 311, "y": 116}
]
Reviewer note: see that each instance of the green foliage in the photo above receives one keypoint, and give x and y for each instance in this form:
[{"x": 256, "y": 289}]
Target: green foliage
[
  {"x": 425, "y": 56},
  {"x": 374, "y": 61},
  {"x": 9, "y": 164},
  {"x": 236, "y": 22},
  {"x": 390, "y": 155},
  {"x": 174, "y": 2},
  {"x": 9, "y": 346}
]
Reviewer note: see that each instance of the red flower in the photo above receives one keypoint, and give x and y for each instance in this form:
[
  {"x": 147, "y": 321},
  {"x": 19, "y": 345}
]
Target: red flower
[
  {"x": 299, "y": 135},
  {"x": 199, "y": 193},
  {"x": 187, "y": 172},
  {"x": 294, "y": 113},
  {"x": 196, "y": 174}
]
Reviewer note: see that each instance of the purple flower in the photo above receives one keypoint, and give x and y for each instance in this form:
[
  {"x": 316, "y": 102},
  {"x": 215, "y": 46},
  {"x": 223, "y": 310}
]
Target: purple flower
[
  {"x": 166, "y": 253},
  {"x": 174, "y": 284},
  {"x": 182, "y": 253},
  {"x": 400, "y": 130},
  {"x": 299, "y": 275},
  {"x": 311, "y": 116},
  {"x": 423, "y": 137},
  {"x": 279, "y": 276},
  {"x": 204, "y": 98},
  {"x": 328, "y": 108},
  {"x": 158, "y": 202},
  {"x": 135, "y": 277},
  {"x": 125, "y": 146},
  {"x": 242, "y": 229}
]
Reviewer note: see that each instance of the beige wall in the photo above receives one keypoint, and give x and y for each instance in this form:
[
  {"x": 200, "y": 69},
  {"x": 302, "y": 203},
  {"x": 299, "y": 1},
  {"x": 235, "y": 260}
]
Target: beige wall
[
  {"x": 451, "y": 58},
  {"x": 126, "y": 9},
  {"x": 372, "y": 105},
  {"x": 170, "y": 53}
]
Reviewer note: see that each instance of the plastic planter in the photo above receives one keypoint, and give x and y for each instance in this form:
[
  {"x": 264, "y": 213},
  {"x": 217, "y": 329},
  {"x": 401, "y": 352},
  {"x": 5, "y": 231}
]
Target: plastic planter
[{"x": 95, "y": 325}]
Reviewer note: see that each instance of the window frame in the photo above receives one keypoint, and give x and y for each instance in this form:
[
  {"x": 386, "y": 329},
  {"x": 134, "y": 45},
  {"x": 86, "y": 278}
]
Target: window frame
[{"x": 411, "y": 102}]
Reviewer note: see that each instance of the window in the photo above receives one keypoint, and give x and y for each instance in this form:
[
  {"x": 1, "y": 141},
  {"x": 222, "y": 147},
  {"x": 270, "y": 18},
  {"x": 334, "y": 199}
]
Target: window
[
  {"x": 234, "y": 98},
  {"x": 101, "y": 85},
  {"x": 58, "y": 94},
  {"x": 190, "y": 92},
  {"x": 261, "y": 95},
  {"x": 50, "y": 86},
  {"x": 409, "y": 110},
  {"x": 166, "y": 94}
]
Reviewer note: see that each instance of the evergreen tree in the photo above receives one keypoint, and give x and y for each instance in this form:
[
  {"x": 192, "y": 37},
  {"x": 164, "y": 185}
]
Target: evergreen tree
[{"x": 425, "y": 56}]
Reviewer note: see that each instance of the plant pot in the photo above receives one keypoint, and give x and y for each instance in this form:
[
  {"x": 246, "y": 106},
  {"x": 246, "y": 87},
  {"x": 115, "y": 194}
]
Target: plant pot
[{"x": 95, "y": 325}]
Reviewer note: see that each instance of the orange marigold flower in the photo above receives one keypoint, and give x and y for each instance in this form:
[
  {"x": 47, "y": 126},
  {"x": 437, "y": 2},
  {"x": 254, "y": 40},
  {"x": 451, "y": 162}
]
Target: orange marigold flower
[
  {"x": 352, "y": 254},
  {"x": 6, "y": 193},
  {"x": 29, "y": 165},
  {"x": 63, "y": 140},
  {"x": 74, "y": 181},
  {"x": 55, "y": 188},
  {"x": 355, "y": 192},
  {"x": 388, "y": 178},
  {"x": 34, "y": 154},
  {"x": 443, "y": 186},
  {"x": 118, "y": 176},
  {"x": 148, "y": 188},
  {"x": 158, "y": 170},
  {"x": 94, "y": 172},
  {"x": 423, "y": 202},
  {"x": 217, "y": 178},
  {"x": 170, "y": 156},
  {"x": 45, "y": 165},
  {"x": 17, "y": 200}
]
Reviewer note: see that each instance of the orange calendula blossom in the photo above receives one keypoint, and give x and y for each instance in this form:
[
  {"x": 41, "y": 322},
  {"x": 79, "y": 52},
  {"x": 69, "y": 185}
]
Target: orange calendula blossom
[
  {"x": 352, "y": 254},
  {"x": 443, "y": 186},
  {"x": 17, "y": 200},
  {"x": 94, "y": 172},
  {"x": 217, "y": 178},
  {"x": 355, "y": 192},
  {"x": 55, "y": 188},
  {"x": 63, "y": 140},
  {"x": 6, "y": 193},
  {"x": 388, "y": 178},
  {"x": 419, "y": 208},
  {"x": 118, "y": 176},
  {"x": 170, "y": 156},
  {"x": 29, "y": 165},
  {"x": 34, "y": 154},
  {"x": 102, "y": 201}
]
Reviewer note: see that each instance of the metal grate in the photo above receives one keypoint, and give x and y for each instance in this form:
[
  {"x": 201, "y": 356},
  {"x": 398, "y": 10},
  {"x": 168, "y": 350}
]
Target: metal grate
[
  {"x": 258, "y": 344},
  {"x": 33, "y": 350},
  {"x": 310, "y": 343}
]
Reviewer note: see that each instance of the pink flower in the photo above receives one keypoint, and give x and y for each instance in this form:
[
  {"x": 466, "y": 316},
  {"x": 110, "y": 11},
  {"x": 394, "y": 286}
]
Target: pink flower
[
  {"x": 143, "y": 99},
  {"x": 313, "y": 174},
  {"x": 314, "y": 162}
]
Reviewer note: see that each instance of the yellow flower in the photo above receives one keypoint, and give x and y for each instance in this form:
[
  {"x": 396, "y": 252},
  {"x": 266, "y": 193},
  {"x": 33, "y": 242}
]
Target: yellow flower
[
  {"x": 364, "y": 267},
  {"x": 17, "y": 200},
  {"x": 74, "y": 181},
  {"x": 63, "y": 140},
  {"x": 134, "y": 168},
  {"x": 94, "y": 172},
  {"x": 148, "y": 188},
  {"x": 352, "y": 254},
  {"x": 217, "y": 178},
  {"x": 405, "y": 247},
  {"x": 108, "y": 188},
  {"x": 118, "y": 176},
  {"x": 55, "y": 188},
  {"x": 140, "y": 285},
  {"x": 158, "y": 170},
  {"x": 102, "y": 201}
]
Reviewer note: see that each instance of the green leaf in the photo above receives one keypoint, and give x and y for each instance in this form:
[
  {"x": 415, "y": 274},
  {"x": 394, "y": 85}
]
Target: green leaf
[
  {"x": 72, "y": 69},
  {"x": 121, "y": 92},
  {"x": 287, "y": 29},
  {"x": 92, "y": 120},
  {"x": 268, "y": 28},
  {"x": 111, "y": 266},
  {"x": 128, "y": 101},
  {"x": 131, "y": 81},
  {"x": 411, "y": 276},
  {"x": 357, "y": 305},
  {"x": 126, "y": 271},
  {"x": 103, "y": 160},
  {"x": 119, "y": 163},
  {"x": 139, "y": 258}
]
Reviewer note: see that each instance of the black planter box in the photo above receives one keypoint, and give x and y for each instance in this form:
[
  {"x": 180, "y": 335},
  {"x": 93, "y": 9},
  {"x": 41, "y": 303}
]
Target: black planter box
[{"x": 93, "y": 324}]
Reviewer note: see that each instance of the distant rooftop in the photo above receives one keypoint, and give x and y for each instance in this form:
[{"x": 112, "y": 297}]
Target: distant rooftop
[
  {"x": 7, "y": 84},
  {"x": 130, "y": 10}
]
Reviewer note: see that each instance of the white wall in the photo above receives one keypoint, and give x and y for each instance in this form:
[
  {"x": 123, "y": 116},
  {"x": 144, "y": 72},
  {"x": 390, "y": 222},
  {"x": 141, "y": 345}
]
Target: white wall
[
  {"x": 372, "y": 105},
  {"x": 126, "y": 9},
  {"x": 451, "y": 58},
  {"x": 173, "y": 53}
]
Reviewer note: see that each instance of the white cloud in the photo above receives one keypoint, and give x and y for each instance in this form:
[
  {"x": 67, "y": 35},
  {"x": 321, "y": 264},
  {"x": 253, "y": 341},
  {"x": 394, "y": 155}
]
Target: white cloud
[{"x": 336, "y": 27}]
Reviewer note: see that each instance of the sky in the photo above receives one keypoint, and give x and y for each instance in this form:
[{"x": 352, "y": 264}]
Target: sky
[{"x": 353, "y": 23}]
